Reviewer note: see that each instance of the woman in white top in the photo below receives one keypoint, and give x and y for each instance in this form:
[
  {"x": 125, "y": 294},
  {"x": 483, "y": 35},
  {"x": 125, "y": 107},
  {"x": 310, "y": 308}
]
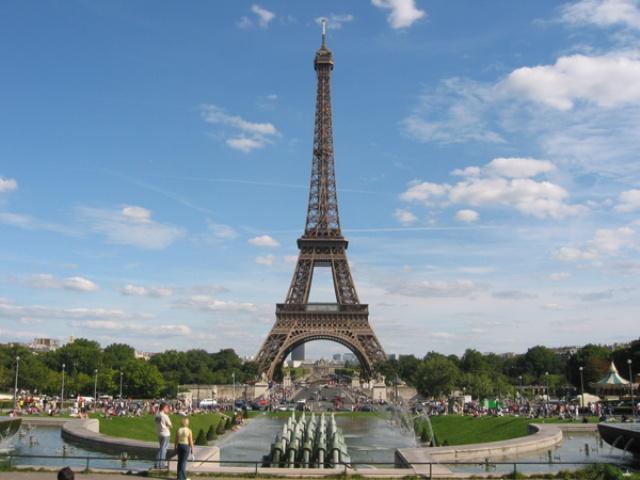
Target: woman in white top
[{"x": 184, "y": 445}]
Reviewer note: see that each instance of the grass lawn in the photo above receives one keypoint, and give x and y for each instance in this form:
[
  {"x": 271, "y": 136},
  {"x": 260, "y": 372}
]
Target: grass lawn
[
  {"x": 143, "y": 428},
  {"x": 459, "y": 430}
]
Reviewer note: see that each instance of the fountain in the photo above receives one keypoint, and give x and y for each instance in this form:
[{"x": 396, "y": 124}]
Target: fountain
[
  {"x": 9, "y": 426},
  {"x": 623, "y": 434},
  {"x": 308, "y": 442}
]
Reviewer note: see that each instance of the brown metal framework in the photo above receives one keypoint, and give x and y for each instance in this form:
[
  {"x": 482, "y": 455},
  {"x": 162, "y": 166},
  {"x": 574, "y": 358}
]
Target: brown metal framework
[{"x": 321, "y": 245}]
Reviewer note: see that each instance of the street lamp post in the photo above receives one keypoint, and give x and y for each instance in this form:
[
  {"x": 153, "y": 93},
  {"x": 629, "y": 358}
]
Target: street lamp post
[
  {"x": 95, "y": 388},
  {"x": 233, "y": 376},
  {"x": 15, "y": 385},
  {"x": 62, "y": 389},
  {"x": 521, "y": 389},
  {"x": 546, "y": 381},
  {"x": 581, "y": 386},
  {"x": 121, "y": 374},
  {"x": 633, "y": 404}
]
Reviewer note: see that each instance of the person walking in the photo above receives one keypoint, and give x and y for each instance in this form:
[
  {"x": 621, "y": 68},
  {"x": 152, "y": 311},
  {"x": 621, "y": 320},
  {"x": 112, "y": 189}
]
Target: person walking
[
  {"x": 163, "y": 430},
  {"x": 184, "y": 447}
]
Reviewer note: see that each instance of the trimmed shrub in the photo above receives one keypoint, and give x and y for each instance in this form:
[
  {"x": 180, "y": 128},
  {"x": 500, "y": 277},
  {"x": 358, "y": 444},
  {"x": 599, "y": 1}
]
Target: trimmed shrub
[
  {"x": 211, "y": 433},
  {"x": 201, "y": 439},
  {"x": 220, "y": 426}
]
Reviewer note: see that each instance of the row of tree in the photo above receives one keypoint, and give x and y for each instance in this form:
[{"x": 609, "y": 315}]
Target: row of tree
[
  {"x": 486, "y": 375},
  {"x": 480, "y": 375},
  {"x": 85, "y": 361}
]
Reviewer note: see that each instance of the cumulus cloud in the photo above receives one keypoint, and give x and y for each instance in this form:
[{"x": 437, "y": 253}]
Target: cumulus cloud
[
  {"x": 404, "y": 217},
  {"x": 605, "y": 242},
  {"x": 7, "y": 184},
  {"x": 607, "y": 81},
  {"x": 263, "y": 17},
  {"x": 207, "y": 303},
  {"x": 141, "y": 291},
  {"x": 48, "y": 281},
  {"x": 266, "y": 260},
  {"x": 435, "y": 288},
  {"x": 467, "y": 215},
  {"x": 14, "y": 310},
  {"x": 335, "y": 21},
  {"x": 403, "y": 13},
  {"x": 160, "y": 330},
  {"x": 503, "y": 182},
  {"x": 602, "y": 13},
  {"x": 129, "y": 226},
  {"x": 264, "y": 241},
  {"x": 558, "y": 276},
  {"x": 629, "y": 201},
  {"x": 241, "y": 134},
  {"x": 513, "y": 295}
]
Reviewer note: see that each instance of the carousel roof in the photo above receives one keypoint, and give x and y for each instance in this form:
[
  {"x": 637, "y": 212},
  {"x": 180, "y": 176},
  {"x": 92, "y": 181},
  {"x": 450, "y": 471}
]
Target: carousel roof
[{"x": 611, "y": 379}]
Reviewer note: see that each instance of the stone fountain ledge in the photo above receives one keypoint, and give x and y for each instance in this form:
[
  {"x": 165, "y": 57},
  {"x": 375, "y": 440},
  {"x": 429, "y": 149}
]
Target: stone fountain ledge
[
  {"x": 543, "y": 436},
  {"x": 87, "y": 433}
]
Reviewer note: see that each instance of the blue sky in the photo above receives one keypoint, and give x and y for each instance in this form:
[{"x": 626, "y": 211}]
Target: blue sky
[{"x": 154, "y": 162}]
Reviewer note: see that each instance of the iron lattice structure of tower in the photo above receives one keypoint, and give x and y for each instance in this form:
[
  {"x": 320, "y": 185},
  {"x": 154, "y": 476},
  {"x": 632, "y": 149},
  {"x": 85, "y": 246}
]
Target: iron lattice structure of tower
[{"x": 322, "y": 245}]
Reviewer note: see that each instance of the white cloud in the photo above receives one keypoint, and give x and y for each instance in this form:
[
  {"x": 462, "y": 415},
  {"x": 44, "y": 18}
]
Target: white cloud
[
  {"x": 137, "y": 214},
  {"x": 605, "y": 242},
  {"x": 435, "y": 288},
  {"x": 467, "y": 215},
  {"x": 13, "y": 310},
  {"x": 208, "y": 303},
  {"x": 602, "y": 13},
  {"x": 606, "y": 80},
  {"x": 335, "y": 20},
  {"x": 403, "y": 12},
  {"x": 266, "y": 260},
  {"x": 27, "y": 222},
  {"x": 424, "y": 192},
  {"x": 558, "y": 276},
  {"x": 221, "y": 231},
  {"x": 405, "y": 217},
  {"x": 129, "y": 226},
  {"x": 161, "y": 330},
  {"x": 629, "y": 201},
  {"x": 499, "y": 184},
  {"x": 264, "y": 16},
  {"x": 246, "y": 136},
  {"x": 140, "y": 291},
  {"x": 48, "y": 281},
  {"x": 7, "y": 185},
  {"x": 264, "y": 241},
  {"x": 518, "y": 167},
  {"x": 513, "y": 295}
]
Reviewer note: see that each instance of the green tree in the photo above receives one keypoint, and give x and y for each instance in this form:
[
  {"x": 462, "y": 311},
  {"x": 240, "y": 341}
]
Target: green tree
[
  {"x": 116, "y": 355},
  {"x": 437, "y": 375}
]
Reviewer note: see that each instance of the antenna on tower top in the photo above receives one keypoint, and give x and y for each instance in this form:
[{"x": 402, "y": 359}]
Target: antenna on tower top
[{"x": 324, "y": 31}]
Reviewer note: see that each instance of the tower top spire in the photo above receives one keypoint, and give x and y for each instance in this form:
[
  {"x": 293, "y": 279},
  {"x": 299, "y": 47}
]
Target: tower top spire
[{"x": 323, "y": 55}]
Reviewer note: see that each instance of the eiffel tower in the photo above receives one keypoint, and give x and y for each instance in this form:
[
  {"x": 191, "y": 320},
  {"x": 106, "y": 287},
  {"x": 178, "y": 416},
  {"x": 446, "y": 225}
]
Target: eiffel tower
[{"x": 322, "y": 245}]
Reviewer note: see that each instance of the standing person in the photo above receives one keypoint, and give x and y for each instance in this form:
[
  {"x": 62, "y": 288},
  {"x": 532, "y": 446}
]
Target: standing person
[
  {"x": 163, "y": 430},
  {"x": 184, "y": 446}
]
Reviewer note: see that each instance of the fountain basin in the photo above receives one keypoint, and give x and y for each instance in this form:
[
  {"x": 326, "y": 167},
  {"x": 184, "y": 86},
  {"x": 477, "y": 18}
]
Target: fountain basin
[
  {"x": 9, "y": 426},
  {"x": 625, "y": 436}
]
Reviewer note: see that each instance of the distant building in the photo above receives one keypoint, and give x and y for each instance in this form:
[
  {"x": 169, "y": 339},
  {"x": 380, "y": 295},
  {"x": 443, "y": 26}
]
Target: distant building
[
  {"x": 298, "y": 353},
  {"x": 44, "y": 345},
  {"x": 349, "y": 357},
  {"x": 565, "y": 350},
  {"x": 393, "y": 356},
  {"x": 143, "y": 355},
  {"x": 337, "y": 357}
]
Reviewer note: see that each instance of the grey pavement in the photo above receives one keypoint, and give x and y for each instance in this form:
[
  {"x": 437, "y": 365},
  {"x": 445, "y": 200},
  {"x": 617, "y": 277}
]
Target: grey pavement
[{"x": 81, "y": 476}]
